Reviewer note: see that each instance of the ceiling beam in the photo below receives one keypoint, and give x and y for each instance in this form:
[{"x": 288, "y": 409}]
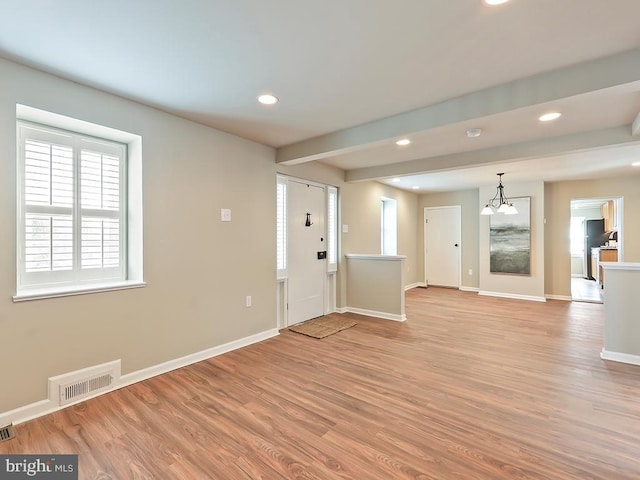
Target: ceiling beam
[
  {"x": 608, "y": 137},
  {"x": 612, "y": 71}
]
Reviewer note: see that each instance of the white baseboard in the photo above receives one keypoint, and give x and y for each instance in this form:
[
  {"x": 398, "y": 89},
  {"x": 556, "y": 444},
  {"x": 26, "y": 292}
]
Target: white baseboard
[
  {"x": 414, "y": 285},
  {"x": 145, "y": 373},
  {"x": 564, "y": 298},
  {"x": 383, "y": 315},
  {"x": 28, "y": 412},
  {"x": 469, "y": 289},
  {"x": 513, "y": 296},
  {"x": 620, "y": 357},
  {"x": 372, "y": 313},
  {"x": 44, "y": 407}
]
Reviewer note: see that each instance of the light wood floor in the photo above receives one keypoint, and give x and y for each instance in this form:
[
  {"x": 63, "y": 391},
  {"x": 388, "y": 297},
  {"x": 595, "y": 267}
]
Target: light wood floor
[
  {"x": 583, "y": 290},
  {"x": 468, "y": 388}
]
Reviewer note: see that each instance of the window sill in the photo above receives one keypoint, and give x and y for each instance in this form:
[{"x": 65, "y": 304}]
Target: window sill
[{"x": 75, "y": 290}]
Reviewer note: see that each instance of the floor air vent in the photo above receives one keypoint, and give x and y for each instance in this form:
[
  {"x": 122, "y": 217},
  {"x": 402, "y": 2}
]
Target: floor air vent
[
  {"x": 83, "y": 388},
  {"x": 6, "y": 433}
]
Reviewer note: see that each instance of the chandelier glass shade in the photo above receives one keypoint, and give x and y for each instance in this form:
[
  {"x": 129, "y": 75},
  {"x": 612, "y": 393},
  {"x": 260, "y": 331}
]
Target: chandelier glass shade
[{"x": 499, "y": 203}]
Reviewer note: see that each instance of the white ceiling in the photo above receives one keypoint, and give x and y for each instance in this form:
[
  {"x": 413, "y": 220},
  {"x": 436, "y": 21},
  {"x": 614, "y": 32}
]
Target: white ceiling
[{"x": 355, "y": 75}]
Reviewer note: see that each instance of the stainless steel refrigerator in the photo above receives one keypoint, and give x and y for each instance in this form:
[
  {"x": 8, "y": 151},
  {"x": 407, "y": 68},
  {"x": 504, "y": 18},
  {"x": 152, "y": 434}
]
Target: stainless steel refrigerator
[{"x": 594, "y": 236}]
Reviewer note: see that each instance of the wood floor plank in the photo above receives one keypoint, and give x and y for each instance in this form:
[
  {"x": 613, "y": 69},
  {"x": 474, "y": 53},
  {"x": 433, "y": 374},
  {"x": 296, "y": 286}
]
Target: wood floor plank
[{"x": 470, "y": 387}]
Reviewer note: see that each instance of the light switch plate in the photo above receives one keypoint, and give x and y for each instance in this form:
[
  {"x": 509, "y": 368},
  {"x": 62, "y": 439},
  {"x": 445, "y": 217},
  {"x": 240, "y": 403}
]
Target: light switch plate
[
  {"x": 225, "y": 214},
  {"x": 345, "y": 228}
]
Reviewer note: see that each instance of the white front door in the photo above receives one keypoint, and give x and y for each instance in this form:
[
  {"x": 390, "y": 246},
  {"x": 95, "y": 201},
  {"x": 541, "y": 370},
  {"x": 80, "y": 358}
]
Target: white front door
[
  {"x": 442, "y": 246},
  {"x": 307, "y": 273}
]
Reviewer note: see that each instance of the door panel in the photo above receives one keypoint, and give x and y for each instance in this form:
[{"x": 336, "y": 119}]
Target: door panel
[
  {"x": 306, "y": 272},
  {"x": 442, "y": 244}
]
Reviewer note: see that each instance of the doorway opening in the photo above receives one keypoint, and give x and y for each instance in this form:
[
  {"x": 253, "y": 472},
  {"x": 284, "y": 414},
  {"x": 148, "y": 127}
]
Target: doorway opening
[
  {"x": 306, "y": 249},
  {"x": 595, "y": 236}
]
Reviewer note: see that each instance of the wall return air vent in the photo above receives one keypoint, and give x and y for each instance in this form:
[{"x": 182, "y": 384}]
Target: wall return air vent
[
  {"x": 77, "y": 390},
  {"x": 6, "y": 433},
  {"x": 75, "y": 386}
]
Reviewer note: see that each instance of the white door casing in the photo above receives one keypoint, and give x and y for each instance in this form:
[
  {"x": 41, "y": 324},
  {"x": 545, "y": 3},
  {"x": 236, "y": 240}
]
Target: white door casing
[
  {"x": 442, "y": 246},
  {"x": 307, "y": 273}
]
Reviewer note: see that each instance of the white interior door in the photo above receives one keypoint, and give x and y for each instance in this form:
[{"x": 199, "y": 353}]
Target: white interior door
[
  {"x": 442, "y": 246},
  {"x": 306, "y": 272}
]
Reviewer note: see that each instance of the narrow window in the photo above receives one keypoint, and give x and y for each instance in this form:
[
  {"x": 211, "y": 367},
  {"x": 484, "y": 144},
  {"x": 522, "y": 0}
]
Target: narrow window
[
  {"x": 281, "y": 226},
  {"x": 576, "y": 235},
  {"x": 389, "y": 226},
  {"x": 332, "y": 228}
]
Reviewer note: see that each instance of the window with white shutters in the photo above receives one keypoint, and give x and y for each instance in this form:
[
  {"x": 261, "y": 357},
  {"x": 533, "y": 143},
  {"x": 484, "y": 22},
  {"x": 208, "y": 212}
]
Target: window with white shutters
[
  {"x": 281, "y": 226},
  {"x": 332, "y": 228},
  {"x": 72, "y": 209}
]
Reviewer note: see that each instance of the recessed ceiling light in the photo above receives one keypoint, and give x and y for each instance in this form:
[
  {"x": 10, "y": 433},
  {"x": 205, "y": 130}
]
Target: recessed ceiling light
[
  {"x": 635, "y": 164},
  {"x": 403, "y": 142},
  {"x": 268, "y": 99},
  {"x": 474, "y": 132},
  {"x": 395, "y": 180},
  {"x": 416, "y": 187},
  {"x": 493, "y": 3},
  {"x": 547, "y": 117}
]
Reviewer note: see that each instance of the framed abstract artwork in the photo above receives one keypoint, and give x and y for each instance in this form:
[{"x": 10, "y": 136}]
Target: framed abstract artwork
[{"x": 510, "y": 240}]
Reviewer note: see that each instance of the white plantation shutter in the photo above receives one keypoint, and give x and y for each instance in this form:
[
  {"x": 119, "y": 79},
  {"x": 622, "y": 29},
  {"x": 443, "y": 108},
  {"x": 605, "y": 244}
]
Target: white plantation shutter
[
  {"x": 48, "y": 242},
  {"x": 332, "y": 228},
  {"x": 100, "y": 242},
  {"x": 71, "y": 208},
  {"x": 281, "y": 225},
  {"x": 48, "y": 174},
  {"x": 48, "y": 202},
  {"x": 100, "y": 195},
  {"x": 100, "y": 180}
]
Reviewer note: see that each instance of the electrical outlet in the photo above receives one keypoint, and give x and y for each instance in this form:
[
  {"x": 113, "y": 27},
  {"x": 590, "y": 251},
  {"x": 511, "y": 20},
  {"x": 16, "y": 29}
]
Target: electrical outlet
[
  {"x": 225, "y": 214},
  {"x": 470, "y": 271},
  {"x": 248, "y": 301}
]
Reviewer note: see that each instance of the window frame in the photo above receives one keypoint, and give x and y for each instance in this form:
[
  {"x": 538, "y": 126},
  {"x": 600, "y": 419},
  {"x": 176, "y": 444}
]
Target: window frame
[
  {"x": 133, "y": 242},
  {"x": 77, "y": 275}
]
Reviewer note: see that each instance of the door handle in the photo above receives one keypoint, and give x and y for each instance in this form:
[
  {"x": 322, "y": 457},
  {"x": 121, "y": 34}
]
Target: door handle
[{"x": 455, "y": 245}]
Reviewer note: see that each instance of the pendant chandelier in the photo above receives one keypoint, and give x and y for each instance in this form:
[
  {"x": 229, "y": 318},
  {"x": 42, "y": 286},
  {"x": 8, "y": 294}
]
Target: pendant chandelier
[{"x": 499, "y": 203}]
